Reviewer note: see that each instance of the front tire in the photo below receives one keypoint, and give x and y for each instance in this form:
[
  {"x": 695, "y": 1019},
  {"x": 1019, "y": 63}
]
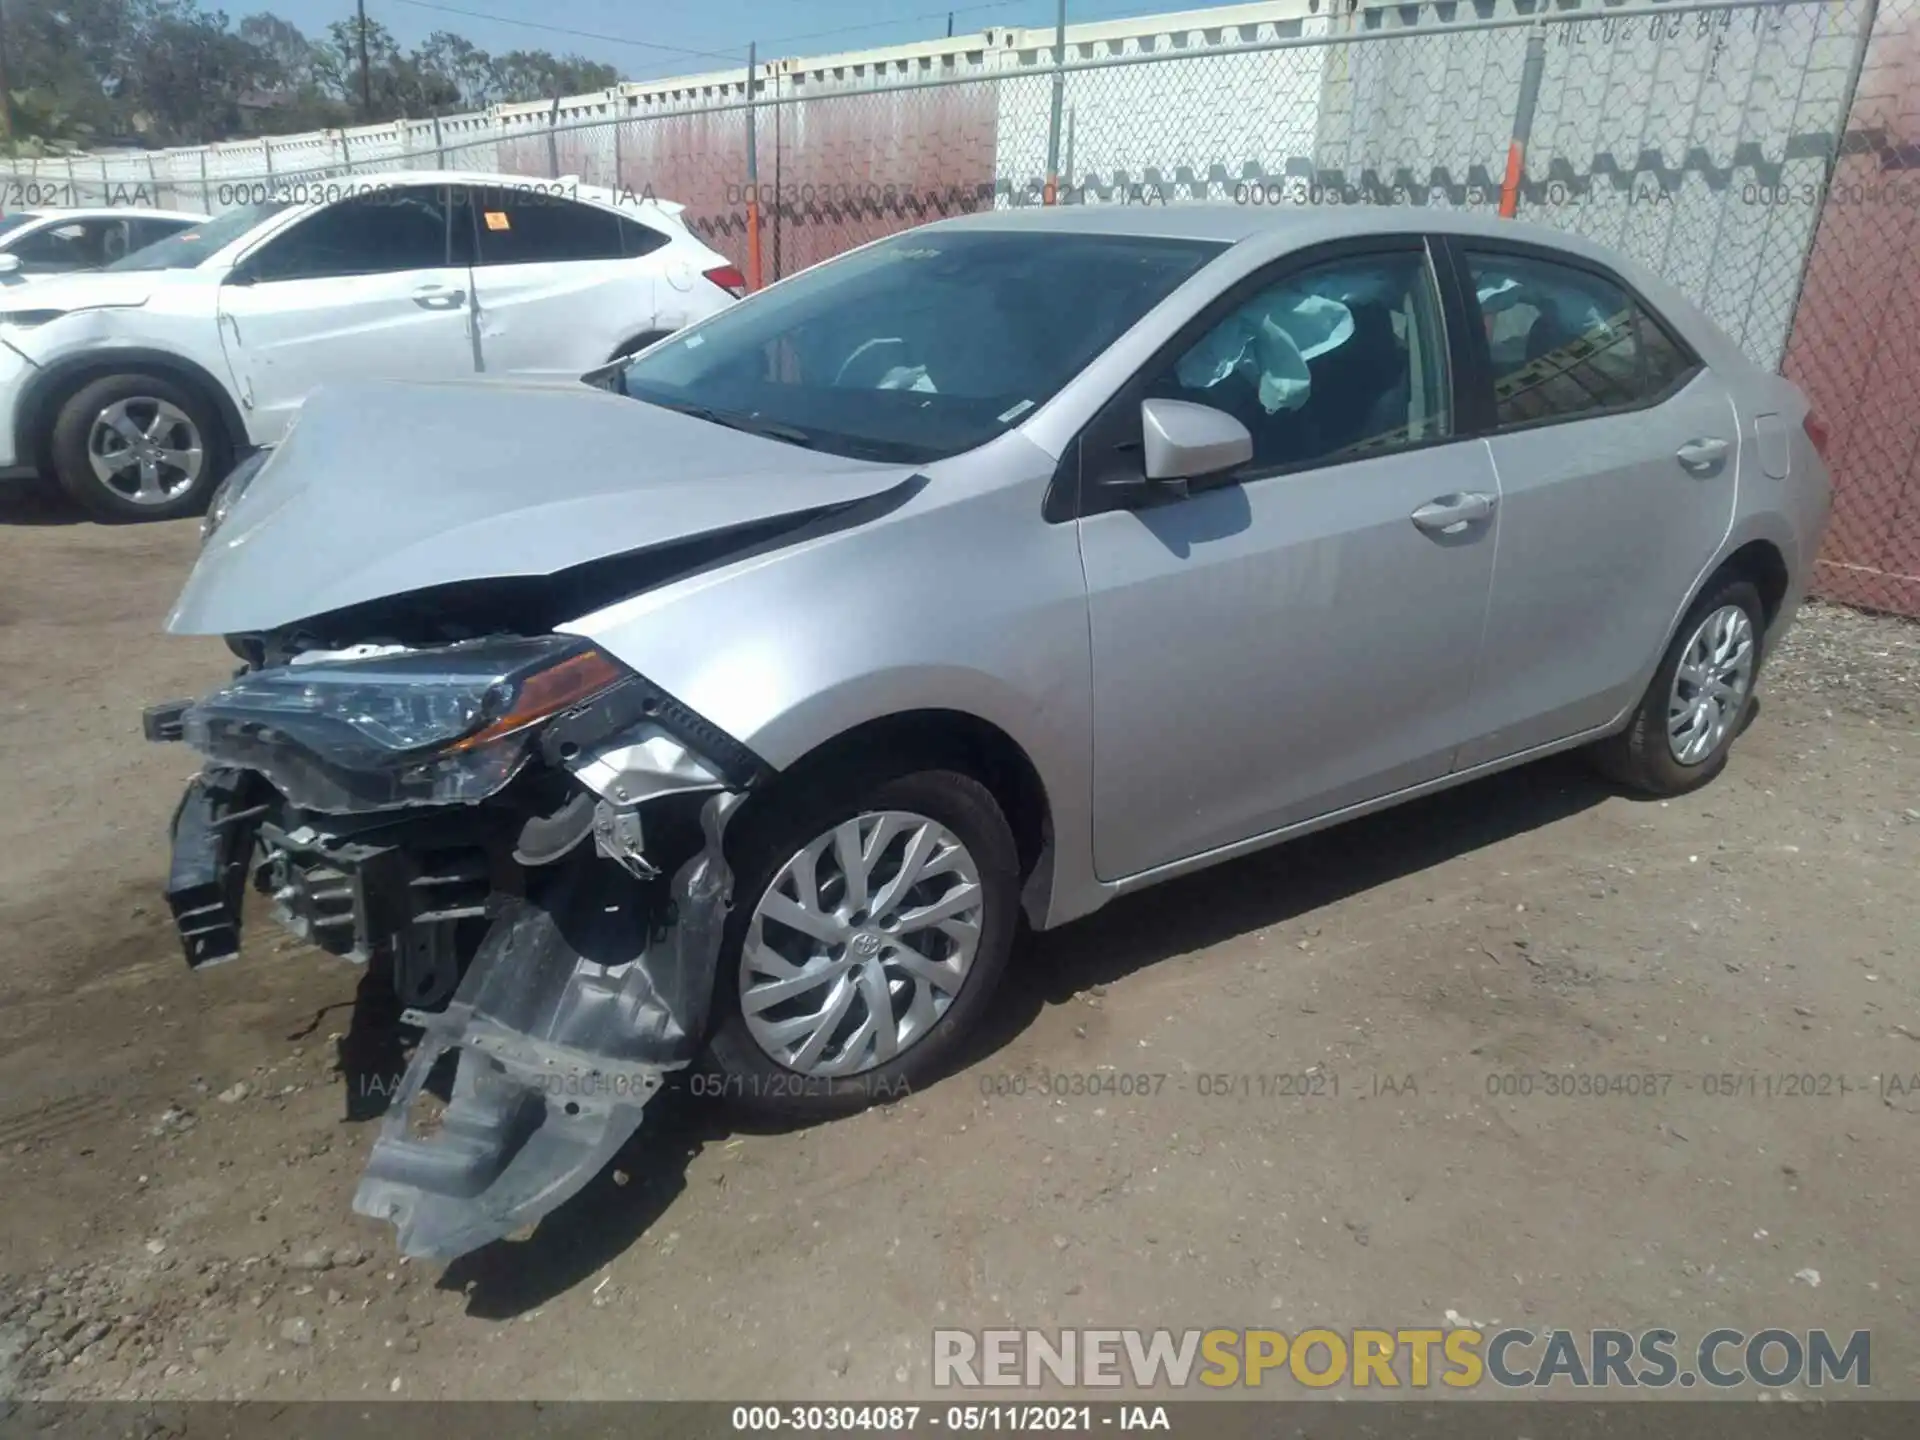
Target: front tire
[
  {"x": 138, "y": 446},
  {"x": 872, "y": 922},
  {"x": 1699, "y": 700}
]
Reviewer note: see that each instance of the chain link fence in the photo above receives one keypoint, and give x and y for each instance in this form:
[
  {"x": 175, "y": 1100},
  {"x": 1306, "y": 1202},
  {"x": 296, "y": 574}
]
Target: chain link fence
[{"x": 1762, "y": 155}]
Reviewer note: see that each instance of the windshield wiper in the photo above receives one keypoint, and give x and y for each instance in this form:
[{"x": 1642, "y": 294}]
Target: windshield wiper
[{"x": 771, "y": 429}]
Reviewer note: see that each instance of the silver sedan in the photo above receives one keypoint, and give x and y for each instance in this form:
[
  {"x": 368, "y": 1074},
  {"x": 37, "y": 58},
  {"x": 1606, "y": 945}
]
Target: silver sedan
[{"x": 745, "y": 697}]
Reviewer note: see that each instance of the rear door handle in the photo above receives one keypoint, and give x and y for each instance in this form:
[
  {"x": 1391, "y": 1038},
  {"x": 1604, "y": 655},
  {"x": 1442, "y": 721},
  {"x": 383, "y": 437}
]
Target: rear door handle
[
  {"x": 1453, "y": 514},
  {"x": 438, "y": 297},
  {"x": 1702, "y": 457}
]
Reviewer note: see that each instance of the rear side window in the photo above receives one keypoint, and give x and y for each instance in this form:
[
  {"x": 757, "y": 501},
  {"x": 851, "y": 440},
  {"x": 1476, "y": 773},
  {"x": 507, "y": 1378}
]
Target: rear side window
[
  {"x": 1565, "y": 342},
  {"x": 1666, "y": 361},
  {"x": 371, "y": 235},
  {"x": 148, "y": 232},
  {"x": 533, "y": 229},
  {"x": 637, "y": 239},
  {"x": 78, "y": 245}
]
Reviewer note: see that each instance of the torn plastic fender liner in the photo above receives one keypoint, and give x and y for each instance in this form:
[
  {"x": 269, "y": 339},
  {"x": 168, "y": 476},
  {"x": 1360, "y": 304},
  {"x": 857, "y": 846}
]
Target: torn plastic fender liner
[
  {"x": 206, "y": 874},
  {"x": 577, "y": 1004}
]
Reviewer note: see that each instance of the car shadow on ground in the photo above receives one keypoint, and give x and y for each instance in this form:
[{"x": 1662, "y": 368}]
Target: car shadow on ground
[
  {"x": 1276, "y": 885},
  {"x": 595, "y": 1226},
  {"x": 28, "y": 502}
]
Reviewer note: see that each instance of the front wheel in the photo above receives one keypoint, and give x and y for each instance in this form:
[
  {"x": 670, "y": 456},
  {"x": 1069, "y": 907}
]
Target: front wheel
[
  {"x": 1678, "y": 738},
  {"x": 872, "y": 922},
  {"x": 138, "y": 447}
]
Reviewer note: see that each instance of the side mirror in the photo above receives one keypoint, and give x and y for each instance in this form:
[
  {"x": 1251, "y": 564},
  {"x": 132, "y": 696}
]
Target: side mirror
[
  {"x": 1185, "y": 441},
  {"x": 9, "y": 264}
]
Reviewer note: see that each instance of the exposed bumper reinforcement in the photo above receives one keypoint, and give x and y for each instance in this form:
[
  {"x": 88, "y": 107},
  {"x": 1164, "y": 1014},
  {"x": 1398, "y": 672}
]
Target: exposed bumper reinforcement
[
  {"x": 204, "y": 878},
  {"x": 577, "y": 1005}
]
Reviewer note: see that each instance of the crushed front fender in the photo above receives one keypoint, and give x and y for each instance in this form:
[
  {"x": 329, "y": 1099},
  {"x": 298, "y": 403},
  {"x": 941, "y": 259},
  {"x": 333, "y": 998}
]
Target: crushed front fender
[{"x": 579, "y": 1002}]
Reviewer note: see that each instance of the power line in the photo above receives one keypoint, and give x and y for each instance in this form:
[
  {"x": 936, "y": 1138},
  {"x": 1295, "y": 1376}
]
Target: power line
[
  {"x": 734, "y": 55},
  {"x": 897, "y": 20}
]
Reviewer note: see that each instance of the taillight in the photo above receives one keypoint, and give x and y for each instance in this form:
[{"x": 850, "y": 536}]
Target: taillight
[
  {"x": 729, "y": 279},
  {"x": 1817, "y": 432}
]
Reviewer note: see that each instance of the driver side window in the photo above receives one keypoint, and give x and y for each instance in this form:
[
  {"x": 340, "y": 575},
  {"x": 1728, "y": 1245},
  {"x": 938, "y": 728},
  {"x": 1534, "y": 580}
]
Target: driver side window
[{"x": 1343, "y": 359}]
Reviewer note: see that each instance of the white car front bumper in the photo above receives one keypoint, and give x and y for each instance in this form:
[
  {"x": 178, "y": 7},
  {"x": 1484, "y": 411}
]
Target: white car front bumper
[{"x": 15, "y": 369}]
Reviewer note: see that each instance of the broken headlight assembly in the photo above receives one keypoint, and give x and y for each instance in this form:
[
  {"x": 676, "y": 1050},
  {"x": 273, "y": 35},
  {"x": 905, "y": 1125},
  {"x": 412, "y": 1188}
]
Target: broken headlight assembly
[{"x": 444, "y": 726}]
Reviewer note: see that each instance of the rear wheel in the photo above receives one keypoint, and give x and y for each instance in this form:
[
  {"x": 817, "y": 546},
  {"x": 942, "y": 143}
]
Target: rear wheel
[
  {"x": 1699, "y": 699},
  {"x": 637, "y": 344},
  {"x": 138, "y": 447},
  {"x": 871, "y": 925}
]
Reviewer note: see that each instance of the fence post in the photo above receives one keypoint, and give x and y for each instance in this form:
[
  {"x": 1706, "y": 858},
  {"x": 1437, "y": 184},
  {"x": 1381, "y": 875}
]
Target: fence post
[
  {"x": 1052, "y": 193},
  {"x": 206, "y": 195},
  {"x": 106, "y": 183},
  {"x": 618, "y": 181},
  {"x": 439, "y": 151},
  {"x": 553, "y": 140},
  {"x": 1074, "y": 196},
  {"x": 266, "y": 150},
  {"x": 1530, "y": 72},
  {"x": 153, "y": 175},
  {"x": 753, "y": 176},
  {"x": 779, "y": 208}
]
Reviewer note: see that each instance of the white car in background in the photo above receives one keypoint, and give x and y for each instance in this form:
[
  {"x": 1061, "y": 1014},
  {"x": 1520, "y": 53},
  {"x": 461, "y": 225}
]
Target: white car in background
[
  {"x": 34, "y": 243},
  {"x": 134, "y": 388}
]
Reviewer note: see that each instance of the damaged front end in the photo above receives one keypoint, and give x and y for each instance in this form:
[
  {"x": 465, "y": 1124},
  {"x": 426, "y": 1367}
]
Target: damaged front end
[{"x": 529, "y": 835}]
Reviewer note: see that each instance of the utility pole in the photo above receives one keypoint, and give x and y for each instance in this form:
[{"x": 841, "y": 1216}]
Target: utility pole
[
  {"x": 366, "y": 89},
  {"x": 6, "y": 92},
  {"x": 1052, "y": 194}
]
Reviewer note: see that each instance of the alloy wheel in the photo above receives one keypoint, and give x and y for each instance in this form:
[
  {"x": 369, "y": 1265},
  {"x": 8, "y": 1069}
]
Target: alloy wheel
[
  {"x": 860, "y": 943},
  {"x": 145, "y": 450},
  {"x": 1712, "y": 684}
]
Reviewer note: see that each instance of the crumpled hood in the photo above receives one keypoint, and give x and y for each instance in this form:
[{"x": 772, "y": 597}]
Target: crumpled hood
[{"x": 392, "y": 487}]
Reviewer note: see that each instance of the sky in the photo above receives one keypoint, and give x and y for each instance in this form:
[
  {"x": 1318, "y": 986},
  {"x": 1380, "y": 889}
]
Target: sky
[{"x": 645, "y": 39}]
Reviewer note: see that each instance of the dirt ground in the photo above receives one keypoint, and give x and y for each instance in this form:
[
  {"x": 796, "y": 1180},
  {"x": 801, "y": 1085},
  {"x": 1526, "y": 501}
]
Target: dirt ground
[{"x": 178, "y": 1151}]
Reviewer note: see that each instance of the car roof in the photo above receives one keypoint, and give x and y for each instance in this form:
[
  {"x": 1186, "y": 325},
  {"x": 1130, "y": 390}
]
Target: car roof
[
  {"x": 568, "y": 186},
  {"x": 114, "y": 212},
  {"x": 1263, "y": 232},
  {"x": 1288, "y": 225}
]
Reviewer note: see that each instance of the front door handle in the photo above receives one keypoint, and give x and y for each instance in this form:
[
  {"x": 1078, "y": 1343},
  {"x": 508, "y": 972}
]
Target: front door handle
[
  {"x": 438, "y": 297},
  {"x": 1704, "y": 456},
  {"x": 1453, "y": 514}
]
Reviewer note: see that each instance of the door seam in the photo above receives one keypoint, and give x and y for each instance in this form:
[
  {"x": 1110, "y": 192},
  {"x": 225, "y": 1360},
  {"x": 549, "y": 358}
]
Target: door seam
[
  {"x": 1486, "y": 608},
  {"x": 473, "y": 321}
]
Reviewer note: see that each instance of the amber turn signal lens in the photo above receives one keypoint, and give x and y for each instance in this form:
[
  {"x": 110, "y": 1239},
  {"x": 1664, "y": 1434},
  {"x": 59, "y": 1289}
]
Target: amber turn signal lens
[{"x": 576, "y": 678}]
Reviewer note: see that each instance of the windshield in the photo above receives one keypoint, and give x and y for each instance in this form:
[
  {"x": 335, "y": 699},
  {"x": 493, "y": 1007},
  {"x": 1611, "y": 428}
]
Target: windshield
[
  {"x": 919, "y": 347},
  {"x": 188, "y": 248},
  {"x": 16, "y": 220}
]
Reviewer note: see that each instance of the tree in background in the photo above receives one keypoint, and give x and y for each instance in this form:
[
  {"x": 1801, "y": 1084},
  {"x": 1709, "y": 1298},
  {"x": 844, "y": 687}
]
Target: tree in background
[{"x": 168, "y": 72}]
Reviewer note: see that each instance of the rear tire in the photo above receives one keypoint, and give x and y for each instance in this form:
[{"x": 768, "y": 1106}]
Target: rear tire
[
  {"x": 139, "y": 446},
  {"x": 966, "y": 836},
  {"x": 1680, "y": 734},
  {"x": 637, "y": 344}
]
